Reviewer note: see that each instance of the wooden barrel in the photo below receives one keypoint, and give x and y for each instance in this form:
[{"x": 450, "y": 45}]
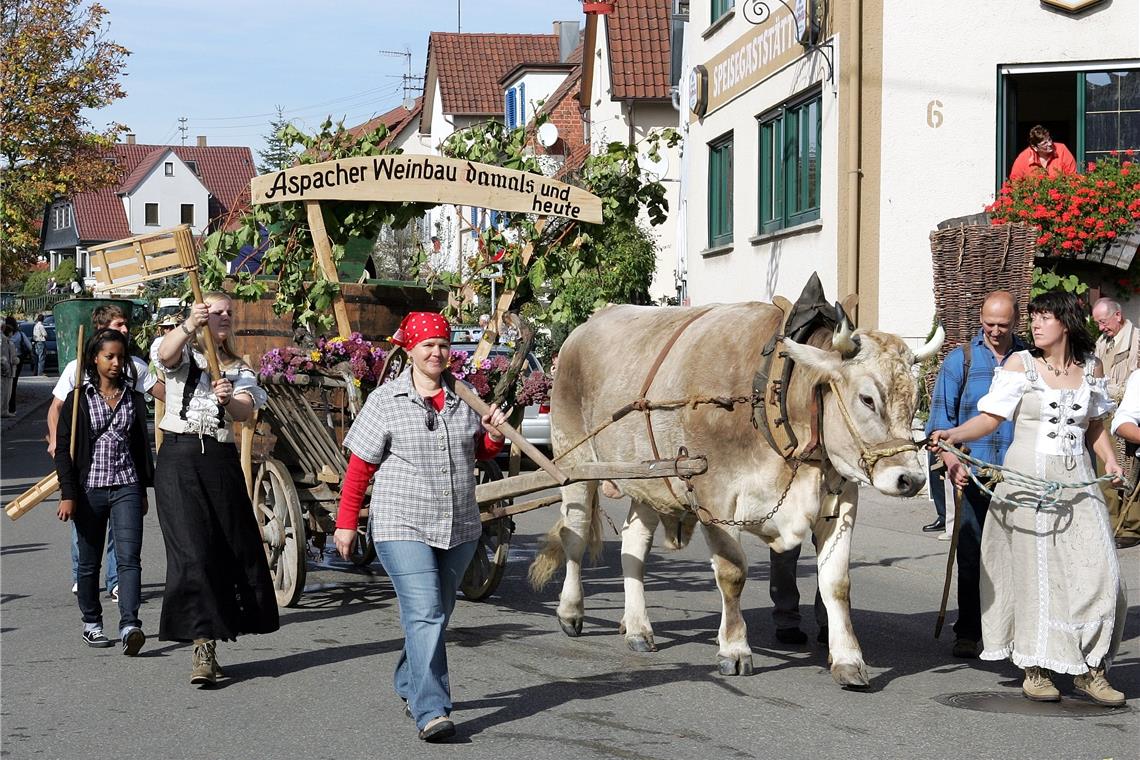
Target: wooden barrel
[{"x": 374, "y": 310}]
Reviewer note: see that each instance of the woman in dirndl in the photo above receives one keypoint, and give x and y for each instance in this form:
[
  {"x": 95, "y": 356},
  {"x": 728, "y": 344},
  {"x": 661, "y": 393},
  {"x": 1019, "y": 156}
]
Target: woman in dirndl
[
  {"x": 1052, "y": 597},
  {"x": 217, "y": 579}
]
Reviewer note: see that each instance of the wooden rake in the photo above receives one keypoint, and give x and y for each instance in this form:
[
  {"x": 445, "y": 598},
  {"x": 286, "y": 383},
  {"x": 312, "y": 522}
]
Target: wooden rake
[{"x": 135, "y": 260}]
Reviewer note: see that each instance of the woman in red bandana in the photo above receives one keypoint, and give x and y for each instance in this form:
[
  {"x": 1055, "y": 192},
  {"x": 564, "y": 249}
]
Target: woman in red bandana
[{"x": 420, "y": 442}]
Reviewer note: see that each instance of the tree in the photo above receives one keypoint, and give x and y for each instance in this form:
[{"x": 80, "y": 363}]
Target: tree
[
  {"x": 278, "y": 153},
  {"x": 56, "y": 63}
]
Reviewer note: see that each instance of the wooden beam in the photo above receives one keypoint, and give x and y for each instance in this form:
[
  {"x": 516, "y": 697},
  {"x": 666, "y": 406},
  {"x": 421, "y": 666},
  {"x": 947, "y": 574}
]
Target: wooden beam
[
  {"x": 497, "y": 490},
  {"x": 325, "y": 260}
]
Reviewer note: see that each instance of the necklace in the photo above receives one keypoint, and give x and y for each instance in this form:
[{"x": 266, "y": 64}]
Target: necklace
[
  {"x": 109, "y": 397},
  {"x": 1056, "y": 372}
]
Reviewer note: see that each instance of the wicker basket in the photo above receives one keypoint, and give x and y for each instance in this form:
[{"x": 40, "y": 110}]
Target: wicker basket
[{"x": 971, "y": 261}]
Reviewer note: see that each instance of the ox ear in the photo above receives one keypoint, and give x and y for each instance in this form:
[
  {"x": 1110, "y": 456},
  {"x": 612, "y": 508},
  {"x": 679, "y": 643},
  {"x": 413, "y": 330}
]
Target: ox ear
[{"x": 825, "y": 364}]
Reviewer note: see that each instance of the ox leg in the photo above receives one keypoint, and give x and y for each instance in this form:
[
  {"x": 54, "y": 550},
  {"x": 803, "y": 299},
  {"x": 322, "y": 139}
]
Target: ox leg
[
  {"x": 730, "y": 567},
  {"x": 579, "y": 502},
  {"x": 636, "y": 541},
  {"x": 833, "y": 556}
]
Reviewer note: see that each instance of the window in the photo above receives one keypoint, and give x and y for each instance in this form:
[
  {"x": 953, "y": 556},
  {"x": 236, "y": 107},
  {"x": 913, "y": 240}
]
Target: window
[
  {"x": 193, "y": 167},
  {"x": 720, "y": 7},
  {"x": 187, "y": 213},
  {"x": 1112, "y": 112},
  {"x": 150, "y": 214},
  {"x": 720, "y": 191},
  {"x": 789, "y": 164},
  {"x": 61, "y": 217},
  {"x": 169, "y": 167}
]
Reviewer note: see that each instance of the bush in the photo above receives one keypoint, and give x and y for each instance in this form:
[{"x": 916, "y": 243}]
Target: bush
[{"x": 36, "y": 283}]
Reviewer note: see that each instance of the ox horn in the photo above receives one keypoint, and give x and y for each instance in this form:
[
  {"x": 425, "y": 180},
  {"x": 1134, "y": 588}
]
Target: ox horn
[
  {"x": 841, "y": 339},
  {"x": 930, "y": 348}
]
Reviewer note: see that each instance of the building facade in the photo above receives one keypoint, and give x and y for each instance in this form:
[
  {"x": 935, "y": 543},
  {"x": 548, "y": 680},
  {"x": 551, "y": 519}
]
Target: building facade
[{"x": 834, "y": 137}]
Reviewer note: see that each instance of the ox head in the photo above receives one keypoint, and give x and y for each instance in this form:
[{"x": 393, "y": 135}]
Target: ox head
[{"x": 867, "y": 415}]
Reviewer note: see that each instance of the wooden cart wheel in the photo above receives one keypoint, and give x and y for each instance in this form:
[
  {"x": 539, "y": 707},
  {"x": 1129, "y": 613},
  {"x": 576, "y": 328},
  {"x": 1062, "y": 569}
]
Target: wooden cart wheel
[
  {"x": 490, "y": 561},
  {"x": 277, "y": 509},
  {"x": 363, "y": 549}
]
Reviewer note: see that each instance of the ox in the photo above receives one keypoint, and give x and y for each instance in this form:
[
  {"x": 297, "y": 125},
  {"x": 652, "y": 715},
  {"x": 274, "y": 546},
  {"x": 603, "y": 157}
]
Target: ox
[{"x": 865, "y": 401}]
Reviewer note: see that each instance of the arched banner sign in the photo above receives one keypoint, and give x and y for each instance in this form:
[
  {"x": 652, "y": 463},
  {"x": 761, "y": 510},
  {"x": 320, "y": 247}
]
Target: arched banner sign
[{"x": 427, "y": 179}]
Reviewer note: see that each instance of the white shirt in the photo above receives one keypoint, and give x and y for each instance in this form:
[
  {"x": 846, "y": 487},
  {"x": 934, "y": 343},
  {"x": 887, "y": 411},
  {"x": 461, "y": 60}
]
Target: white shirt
[
  {"x": 196, "y": 410},
  {"x": 144, "y": 379},
  {"x": 1129, "y": 409}
]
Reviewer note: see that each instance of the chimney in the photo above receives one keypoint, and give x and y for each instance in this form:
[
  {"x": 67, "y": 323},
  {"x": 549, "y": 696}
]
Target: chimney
[
  {"x": 201, "y": 141},
  {"x": 567, "y": 33},
  {"x": 130, "y": 138}
]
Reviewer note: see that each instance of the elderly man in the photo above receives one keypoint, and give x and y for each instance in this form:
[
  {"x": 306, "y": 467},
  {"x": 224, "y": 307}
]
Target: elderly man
[
  {"x": 1118, "y": 349},
  {"x": 963, "y": 379}
]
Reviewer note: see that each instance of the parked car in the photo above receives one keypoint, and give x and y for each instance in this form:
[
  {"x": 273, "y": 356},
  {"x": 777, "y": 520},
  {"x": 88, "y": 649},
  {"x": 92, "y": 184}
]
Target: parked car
[
  {"x": 536, "y": 418},
  {"x": 51, "y": 359}
]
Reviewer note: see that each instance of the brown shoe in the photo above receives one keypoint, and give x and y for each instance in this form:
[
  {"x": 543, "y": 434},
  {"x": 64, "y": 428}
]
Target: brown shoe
[
  {"x": 206, "y": 671},
  {"x": 1038, "y": 686},
  {"x": 1097, "y": 688}
]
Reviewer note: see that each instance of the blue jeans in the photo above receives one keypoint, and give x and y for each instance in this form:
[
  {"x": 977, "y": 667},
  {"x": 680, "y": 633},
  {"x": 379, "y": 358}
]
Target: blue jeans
[
  {"x": 122, "y": 507},
  {"x": 425, "y": 579},
  {"x": 39, "y": 350},
  {"x": 937, "y": 484},
  {"x": 112, "y": 575}
]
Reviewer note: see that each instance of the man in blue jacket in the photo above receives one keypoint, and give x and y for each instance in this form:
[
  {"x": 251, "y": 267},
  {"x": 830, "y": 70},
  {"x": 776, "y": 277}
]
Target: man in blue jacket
[{"x": 963, "y": 379}]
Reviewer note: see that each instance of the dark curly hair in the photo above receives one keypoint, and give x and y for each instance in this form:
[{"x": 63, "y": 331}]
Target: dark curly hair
[
  {"x": 1073, "y": 315},
  {"x": 95, "y": 345}
]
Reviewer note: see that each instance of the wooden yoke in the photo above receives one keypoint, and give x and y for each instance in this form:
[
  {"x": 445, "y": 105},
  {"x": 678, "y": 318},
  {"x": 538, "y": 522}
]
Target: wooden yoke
[{"x": 325, "y": 262}]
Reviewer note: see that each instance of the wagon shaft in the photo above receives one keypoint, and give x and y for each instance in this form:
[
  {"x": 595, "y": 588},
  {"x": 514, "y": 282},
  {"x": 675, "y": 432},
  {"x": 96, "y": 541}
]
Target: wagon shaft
[{"x": 488, "y": 493}]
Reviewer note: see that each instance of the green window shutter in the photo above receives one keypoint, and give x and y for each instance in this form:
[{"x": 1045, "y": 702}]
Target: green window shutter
[{"x": 720, "y": 193}]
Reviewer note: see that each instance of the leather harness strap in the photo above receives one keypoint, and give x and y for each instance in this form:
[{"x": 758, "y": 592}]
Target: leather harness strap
[{"x": 642, "y": 400}]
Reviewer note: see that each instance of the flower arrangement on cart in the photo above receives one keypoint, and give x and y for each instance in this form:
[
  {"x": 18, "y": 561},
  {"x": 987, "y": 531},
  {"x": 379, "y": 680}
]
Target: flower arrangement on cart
[{"x": 364, "y": 361}]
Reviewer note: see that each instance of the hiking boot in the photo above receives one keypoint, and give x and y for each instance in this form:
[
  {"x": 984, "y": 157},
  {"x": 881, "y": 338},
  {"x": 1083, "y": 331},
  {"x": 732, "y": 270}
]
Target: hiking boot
[
  {"x": 1039, "y": 687},
  {"x": 1097, "y": 688},
  {"x": 206, "y": 671}
]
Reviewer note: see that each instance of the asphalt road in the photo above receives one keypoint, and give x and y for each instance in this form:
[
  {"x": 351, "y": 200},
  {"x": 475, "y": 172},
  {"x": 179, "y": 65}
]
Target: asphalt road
[{"x": 320, "y": 687}]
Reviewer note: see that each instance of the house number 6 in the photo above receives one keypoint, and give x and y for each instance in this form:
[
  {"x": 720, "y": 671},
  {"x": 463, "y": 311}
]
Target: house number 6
[{"x": 933, "y": 114}]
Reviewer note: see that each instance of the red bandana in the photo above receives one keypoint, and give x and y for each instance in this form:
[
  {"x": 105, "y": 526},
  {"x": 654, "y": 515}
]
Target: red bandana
[{"x": 419, "y": 326}]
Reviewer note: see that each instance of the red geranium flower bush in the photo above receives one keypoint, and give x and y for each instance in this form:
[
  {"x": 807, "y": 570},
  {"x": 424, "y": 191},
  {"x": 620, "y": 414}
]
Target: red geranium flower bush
[{"x": 1074, "y": 212}]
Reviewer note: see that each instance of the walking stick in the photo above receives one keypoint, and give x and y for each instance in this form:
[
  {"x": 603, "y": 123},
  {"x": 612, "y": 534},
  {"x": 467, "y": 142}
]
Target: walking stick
[
  {"x": 950, "y": 560},
  {"x": 78, "y": 383}
]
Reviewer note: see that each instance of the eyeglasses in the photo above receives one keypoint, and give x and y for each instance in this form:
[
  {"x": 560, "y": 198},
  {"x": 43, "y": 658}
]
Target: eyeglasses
[{"x": 431, "y": 415}]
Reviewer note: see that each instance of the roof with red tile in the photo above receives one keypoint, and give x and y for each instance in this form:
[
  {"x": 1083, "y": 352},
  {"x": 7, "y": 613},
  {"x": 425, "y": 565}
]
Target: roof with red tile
[
  {"x": 637, "y": 32},
  {"x": 395, "y": 120},
  {"x": 224, "y": 170},
  {"x": 469, "y": 66}
]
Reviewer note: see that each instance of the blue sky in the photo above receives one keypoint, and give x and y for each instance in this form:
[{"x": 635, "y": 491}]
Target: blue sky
[{"x": 226, "y": 66}]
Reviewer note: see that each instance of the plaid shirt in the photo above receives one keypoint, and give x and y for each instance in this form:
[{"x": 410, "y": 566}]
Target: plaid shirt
[
  {"x": 424, "y": 489},
  {"x": 111, "y": 463},
  {"x": 954, "y": 402}
]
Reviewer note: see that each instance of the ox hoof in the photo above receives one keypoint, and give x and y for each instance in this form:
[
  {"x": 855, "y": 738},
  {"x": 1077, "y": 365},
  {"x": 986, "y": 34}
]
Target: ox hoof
[
  {"x": 572, "y": 629},
  {"x": 850, "y": 676},
  {"x": 641, "y": 643},
  {"x": 727, "y": 666}
]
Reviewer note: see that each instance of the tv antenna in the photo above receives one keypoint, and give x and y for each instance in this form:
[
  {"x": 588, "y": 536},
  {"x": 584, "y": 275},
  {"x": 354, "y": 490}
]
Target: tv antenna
[{"x": 413, "y": 83}]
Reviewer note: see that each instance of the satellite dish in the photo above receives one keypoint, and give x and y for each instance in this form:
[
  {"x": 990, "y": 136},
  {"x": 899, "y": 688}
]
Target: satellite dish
[
  {"x": 547, "y": 134},
  {"x": 654, "y": 170},
  {"x": 409, "y": 103}
]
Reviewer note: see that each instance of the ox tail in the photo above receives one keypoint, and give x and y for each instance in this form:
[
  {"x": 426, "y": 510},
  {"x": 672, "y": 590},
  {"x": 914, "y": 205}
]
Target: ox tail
[{"x": 552, "y": 555}]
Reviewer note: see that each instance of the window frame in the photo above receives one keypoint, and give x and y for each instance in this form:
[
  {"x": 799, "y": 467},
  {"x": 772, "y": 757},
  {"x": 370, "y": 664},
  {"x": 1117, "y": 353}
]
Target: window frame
[
  {"x": 718, "y": 9},
  {"x": 146, "y": 214},
  {"x": 786, "y": 198},
  {"x": 168, "y": 168},
  {"x": 720, "y": 190},
  {"x": 182, "y": 213}
]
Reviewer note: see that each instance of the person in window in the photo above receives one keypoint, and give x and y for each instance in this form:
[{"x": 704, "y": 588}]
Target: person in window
[
  {"x": 421, "y": 442},
  {"x": 217, "y": 579},
  {"x": 1051, "y": 591},
  {"x": 105, "y": 483},
  {"x": 1043, "y": 157}
]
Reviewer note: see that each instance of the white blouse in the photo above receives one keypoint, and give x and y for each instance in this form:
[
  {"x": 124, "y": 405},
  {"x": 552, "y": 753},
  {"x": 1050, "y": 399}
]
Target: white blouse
[
  {"x": 1065, "y": 412},
  {"x": 196, "y": 410}
]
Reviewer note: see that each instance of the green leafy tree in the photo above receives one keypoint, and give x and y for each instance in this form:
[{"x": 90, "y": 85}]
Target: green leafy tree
[
  {"x": 278, "y": 153},
  {"x": 57, "y": 62}
]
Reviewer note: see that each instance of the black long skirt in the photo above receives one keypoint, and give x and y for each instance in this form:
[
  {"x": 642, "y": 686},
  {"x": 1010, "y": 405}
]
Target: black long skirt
[{"x": 217, "y": 579}]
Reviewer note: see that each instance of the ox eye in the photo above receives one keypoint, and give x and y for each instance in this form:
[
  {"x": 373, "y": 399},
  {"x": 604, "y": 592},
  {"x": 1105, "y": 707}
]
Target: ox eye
[{"x": 867, "y": 401}]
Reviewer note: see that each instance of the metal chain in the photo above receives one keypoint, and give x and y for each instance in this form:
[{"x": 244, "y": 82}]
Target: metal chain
[{"x": 697, "y": 508}]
